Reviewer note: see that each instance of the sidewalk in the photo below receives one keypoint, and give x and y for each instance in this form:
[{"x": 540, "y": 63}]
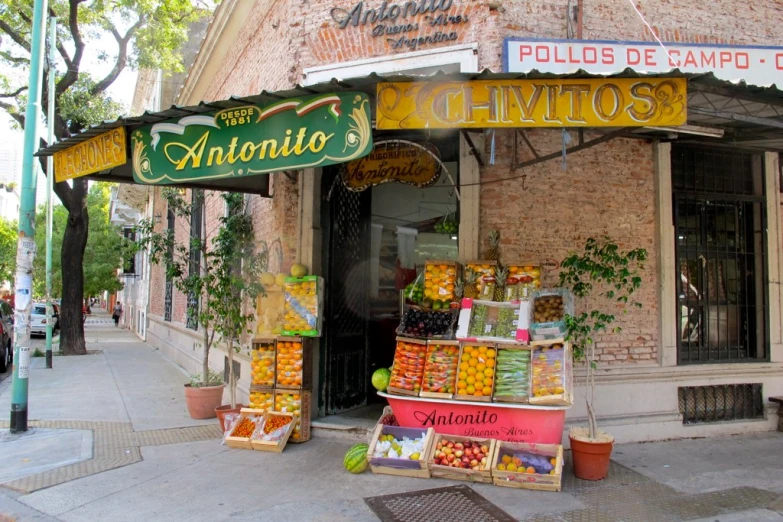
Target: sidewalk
[{"x": 121, "y": 415}]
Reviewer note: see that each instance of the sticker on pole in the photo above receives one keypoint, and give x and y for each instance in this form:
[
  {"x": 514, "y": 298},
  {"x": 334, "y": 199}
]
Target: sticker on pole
[{"x": 24, "y": 362}]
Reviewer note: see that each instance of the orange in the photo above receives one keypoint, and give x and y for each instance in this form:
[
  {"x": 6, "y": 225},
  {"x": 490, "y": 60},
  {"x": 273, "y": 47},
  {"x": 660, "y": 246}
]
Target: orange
[
  {"x": 530, "y": 469},
  {"x": 464, "y": 366},
  {"x": 487, "y": 390},
  {"x": 506, "y": 459},
  {"x": 471, "y": 380},
  {"x": 489, "y": 372},
  {"x": 482, "y": 349},
  {"x": 478, "y": 393},
  {"x": 463, "y": 375},
  {"x": 472, "y": 371},
  {"x": 461, "y": 385},
  {"x": 491, "y": 353},
  {"x": 480, "y": 367},
  {"x": 473, "y": 361},
  {"x": 490, "y": 363},
  {"x": 470, "y": 390}
]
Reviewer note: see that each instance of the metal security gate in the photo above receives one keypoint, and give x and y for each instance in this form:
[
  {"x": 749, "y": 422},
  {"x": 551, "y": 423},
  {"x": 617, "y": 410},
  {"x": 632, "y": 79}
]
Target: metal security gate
[
  {"x": 347, "y": 297},
  {"x": 719, "y": 217}
]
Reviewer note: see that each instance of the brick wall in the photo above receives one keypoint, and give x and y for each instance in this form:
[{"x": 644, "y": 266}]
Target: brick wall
[
  {"x": 549, "y": 212},
  {"x": 157, "y": 272}
]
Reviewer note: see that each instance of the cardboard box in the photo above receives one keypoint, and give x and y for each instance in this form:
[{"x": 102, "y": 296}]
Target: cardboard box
[
  {"x": 553, "y": 453},
  {"x": 270, "y": 311},
  {"x": 401, "y": 467},
  {"x": 553, "y": 329},
  {"x": 303, "y": 306},
  {"x": 483, "y": 475}
]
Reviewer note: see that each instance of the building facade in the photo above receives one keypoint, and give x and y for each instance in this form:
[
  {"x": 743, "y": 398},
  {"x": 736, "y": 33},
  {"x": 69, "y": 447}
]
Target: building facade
[{"x": 708, "y": 337}]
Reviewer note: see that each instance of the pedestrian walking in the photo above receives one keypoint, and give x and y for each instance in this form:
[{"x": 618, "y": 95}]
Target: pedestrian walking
[{"x": 117, "y": 313}]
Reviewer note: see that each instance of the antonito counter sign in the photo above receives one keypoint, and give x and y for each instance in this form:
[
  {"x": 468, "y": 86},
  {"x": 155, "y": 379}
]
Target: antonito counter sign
[{"x": 102, "y": 152}]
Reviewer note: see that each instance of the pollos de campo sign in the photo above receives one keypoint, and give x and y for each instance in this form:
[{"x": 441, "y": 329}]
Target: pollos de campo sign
[
  {"x": 393, "y": 160},
  {"x": 242, "y": 141},
  {"x": 532, "y": 103}
]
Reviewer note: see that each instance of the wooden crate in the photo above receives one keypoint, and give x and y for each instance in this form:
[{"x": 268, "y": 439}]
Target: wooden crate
[
  {"x": 440, "y": 290},
  {"x": 483, "y": 475},
  {"x": 401, "y": 467},
  {"x": 282, "y": 375},
  {"x": 513, "y": 347},
  {"x": 566, "y": 398},
  {"x": 269, "y": 344},
  {"x": 395, "y": 390},
  {"x": 244, "y": 442},
  {"x": 276, "y": 446},
  {"x": 256, "y": 402},
  {"x": 286, "y": 400},
  {"x": 522, "y": 479},
  {"x": 430, "y": 364},
  {"x": 459, "y": 394}
]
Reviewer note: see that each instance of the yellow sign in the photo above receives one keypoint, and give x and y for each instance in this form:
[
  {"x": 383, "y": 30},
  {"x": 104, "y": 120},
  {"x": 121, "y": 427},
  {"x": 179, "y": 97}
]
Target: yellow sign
[
  {"x": 632, "y": 102},
  {"x": 394, "y": 160},
  {"x": 102, "y": 152}
]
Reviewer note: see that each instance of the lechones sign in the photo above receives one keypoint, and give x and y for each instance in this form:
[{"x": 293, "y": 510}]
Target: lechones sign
[
  {"x": 243, "y": 141},
  {"x": 394, "y": 160},
  {"x": 532, "y": 103},
  {"x": 104, "y": 151}
]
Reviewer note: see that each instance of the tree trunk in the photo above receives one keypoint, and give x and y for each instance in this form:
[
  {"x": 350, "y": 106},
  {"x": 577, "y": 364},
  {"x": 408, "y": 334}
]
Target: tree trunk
[{"x": 72, "y": 259}]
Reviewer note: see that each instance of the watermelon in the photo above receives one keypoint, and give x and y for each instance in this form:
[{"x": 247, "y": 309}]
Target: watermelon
[
  {"x": 380, "y": 379},
  {"x": 355, "y": 459}
]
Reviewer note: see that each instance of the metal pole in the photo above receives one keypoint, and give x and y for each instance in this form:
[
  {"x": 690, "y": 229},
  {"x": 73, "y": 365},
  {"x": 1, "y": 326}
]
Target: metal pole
[
  {"x": 49, "y": 188},
  {"x": 25, "y": 251}
]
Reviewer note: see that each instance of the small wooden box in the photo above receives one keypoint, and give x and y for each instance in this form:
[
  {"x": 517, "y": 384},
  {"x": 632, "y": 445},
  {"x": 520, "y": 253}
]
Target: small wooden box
[
  {"x": 507, "y": 398},
  {"x": 401, "y": 467},
  {"x": 431, "y": 364},
  {"x": 286, "y": 400},
  {"x": 566, "y": 398},
  {"x": 284, "y": 358},
  {"x": 278, "y": 445},
  {"x": 483, "y": 475},
  {"x": 255, "y": 416},
  {"x": 460, "y": 393},
  {"x": 263, "y": 348},
  {"x": 521, "y": 479},
  {"x": 398, "y": 372}
]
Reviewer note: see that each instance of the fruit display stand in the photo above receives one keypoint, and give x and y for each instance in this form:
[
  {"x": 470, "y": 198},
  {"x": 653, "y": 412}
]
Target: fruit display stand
[
  {"x": 440, "y": 369},
  {"x": 262, "y": 365},
  {"x": 246, "y": 424},
  {"x": 294, "y": 362},
  {"x": 299, "y": 403},
  {"x": 503, "y": 421},
  {"x": 401, "y": 466},
  {"x": 408, "y": 368},
  {"x": 476, "y": 372},
  {"x": 552, "y": 380},
  {"x": 534, "y": 466},
  {"x": 303, "y": 306},
  {"x": 440, "y": 279},
  {"x": 279, "y": 423},
  {"x": 455, "y": 449}
]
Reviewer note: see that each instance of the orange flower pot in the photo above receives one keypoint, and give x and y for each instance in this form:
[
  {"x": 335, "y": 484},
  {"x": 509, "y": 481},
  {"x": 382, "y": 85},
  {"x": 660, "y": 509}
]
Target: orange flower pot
[
  {"x": 591, "y": 459},
  {"x": 203, "y": 400}
]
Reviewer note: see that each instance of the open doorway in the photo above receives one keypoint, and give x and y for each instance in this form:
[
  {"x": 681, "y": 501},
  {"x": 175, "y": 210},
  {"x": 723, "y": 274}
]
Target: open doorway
[{"x": 375, "y": 243}]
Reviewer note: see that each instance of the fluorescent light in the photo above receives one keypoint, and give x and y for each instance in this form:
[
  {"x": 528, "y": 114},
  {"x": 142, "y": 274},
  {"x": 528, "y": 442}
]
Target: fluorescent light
[{"x": 697, "y": 130}]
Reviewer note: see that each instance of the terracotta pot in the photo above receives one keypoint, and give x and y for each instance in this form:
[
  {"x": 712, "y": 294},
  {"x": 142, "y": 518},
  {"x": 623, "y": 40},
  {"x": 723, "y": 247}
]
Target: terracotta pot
[
  {"x": 225, "y": 409},
  {"x": 203, "y": 400},
  {"x": 591, "y": 459}
]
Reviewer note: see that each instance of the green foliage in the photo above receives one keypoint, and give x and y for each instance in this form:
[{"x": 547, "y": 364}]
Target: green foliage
[
  {"x": 227, "y": 272},
  {"x": 8, "y": 241},
  {"x": 105, "y": 245},
  {"x": 213, "y": 379},
  {"x": 81, "y": 109},
  {"x": 604, "y": 274}
]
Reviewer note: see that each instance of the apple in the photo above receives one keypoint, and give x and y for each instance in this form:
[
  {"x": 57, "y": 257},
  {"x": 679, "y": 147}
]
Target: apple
[
  {"x": 466, "y": 460},
  {"x": 485, "y": 449},
  {"x": 447, "y": 450},
  {"x": 474, "y": 463},
  {"x": 468, "y": 451},
  {"x": 451, "y": 458},
  {"x": 479, "y": 456},
  {"x": 450, "y": 444},
  {"x": 459, "y": 446},
  {"x": 439, "y": 445},
  {"x": 459, "y": 453},
  {"x": 440, "y": 455},
  {"x": 484, "y": 461}
]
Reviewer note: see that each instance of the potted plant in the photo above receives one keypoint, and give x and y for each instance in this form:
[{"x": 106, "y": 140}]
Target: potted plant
[
  {"x": 603, "y": 278},
  {"x": 218, "y": 273}
]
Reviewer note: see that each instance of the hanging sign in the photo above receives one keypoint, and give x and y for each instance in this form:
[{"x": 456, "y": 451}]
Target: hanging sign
[
  {"x": 394, "y": 160},
  {"x": 756, "y": 65},
  {"x": 102, "y": 152},
  {"x": 243, "y": 141},
  {"x": 532, "y": 103}
]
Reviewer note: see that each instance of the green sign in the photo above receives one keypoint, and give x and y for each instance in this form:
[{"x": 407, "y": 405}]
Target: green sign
[{"x": 242, "y": 141}]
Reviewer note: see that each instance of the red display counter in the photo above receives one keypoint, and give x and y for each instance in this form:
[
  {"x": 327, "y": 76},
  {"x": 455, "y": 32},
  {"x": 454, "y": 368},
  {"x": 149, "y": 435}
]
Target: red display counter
[{"x": 502, "y": 421}]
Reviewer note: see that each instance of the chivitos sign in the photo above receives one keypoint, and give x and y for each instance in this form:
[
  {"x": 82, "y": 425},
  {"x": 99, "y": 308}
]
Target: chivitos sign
[{"x": 242, "y": 141}]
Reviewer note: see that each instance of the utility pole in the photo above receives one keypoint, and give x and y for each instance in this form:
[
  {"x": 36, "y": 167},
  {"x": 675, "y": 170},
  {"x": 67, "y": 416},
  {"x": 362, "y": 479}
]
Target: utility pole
[
  {"x": 25, "y": 251},
  {"x": 49, "y": 188}
]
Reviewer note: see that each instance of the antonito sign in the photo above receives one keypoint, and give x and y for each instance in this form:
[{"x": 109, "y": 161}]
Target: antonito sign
[
  {"x": 532, "y": 103},
  {"x": 293, "y": 134},
  {"x": 394, "y": 160},
  {"x": 99, "y": 153}
]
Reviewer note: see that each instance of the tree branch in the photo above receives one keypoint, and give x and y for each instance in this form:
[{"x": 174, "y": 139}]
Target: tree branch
[
  {"x": 11, "y": 110},
  {"x": 15, "y": 59},
  {"x": 122, "y": 55},
  {"x": 72, "y": 74},
  {"x": 14, "y": 94},
  {"x": 16, "y": 37}
]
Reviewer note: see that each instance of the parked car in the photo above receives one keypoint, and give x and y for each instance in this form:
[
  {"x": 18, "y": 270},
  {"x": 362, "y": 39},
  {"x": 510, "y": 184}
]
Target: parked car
[
  {"x": 6, "y": 335},
  {"x": 38, "y": 319}
]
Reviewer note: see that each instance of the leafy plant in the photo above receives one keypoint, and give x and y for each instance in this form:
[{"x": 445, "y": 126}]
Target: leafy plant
[
  {"x": 213, "y": 379},
  {"x": 606, "y": 277},
  {"x": 222, "y": 272}
]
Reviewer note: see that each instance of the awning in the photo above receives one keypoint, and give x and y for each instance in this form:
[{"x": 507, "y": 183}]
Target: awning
[{"x": 747, "y": 116}]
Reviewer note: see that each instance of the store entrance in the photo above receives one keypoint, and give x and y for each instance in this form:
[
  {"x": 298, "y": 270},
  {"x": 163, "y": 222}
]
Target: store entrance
[{"x": 375, "y": 243}]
